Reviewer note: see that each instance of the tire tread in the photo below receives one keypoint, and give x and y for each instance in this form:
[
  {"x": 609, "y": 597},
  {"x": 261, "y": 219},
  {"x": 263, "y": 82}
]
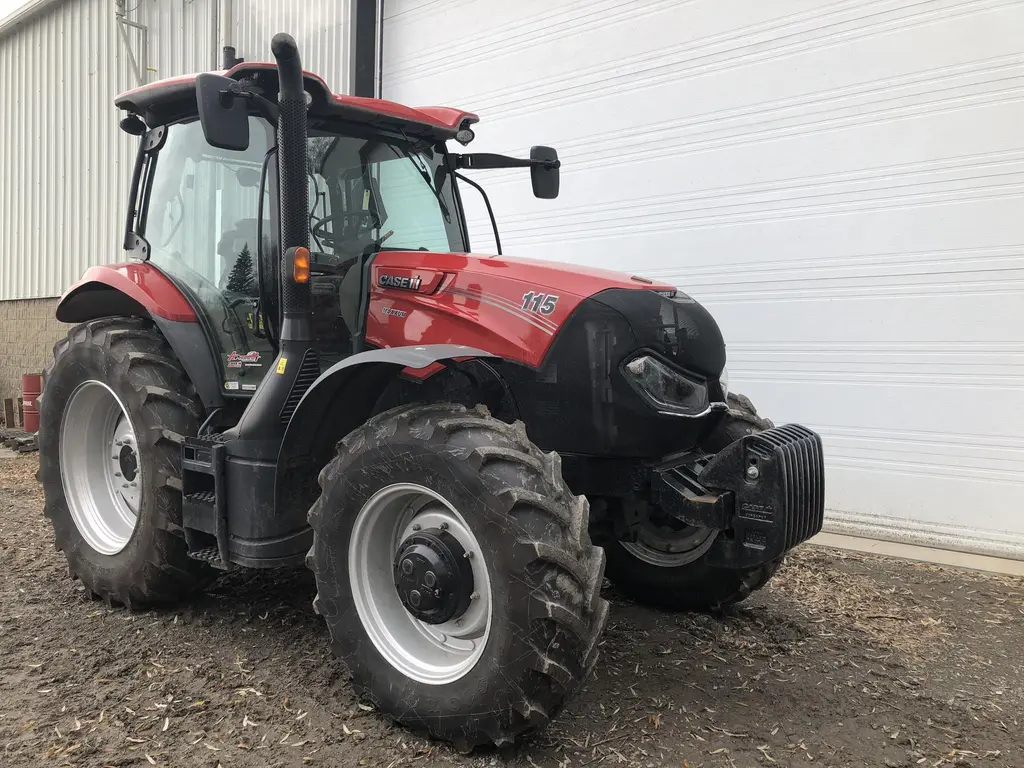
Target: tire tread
[{"x": 162, "y": 417}]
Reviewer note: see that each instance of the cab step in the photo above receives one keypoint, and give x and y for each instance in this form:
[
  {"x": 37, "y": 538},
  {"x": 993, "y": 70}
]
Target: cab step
[{"x": 204, "y": 502}]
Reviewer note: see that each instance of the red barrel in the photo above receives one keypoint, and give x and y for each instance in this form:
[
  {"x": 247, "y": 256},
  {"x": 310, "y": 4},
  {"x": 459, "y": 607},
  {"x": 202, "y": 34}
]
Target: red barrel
[{"x": 31, "y": 386}]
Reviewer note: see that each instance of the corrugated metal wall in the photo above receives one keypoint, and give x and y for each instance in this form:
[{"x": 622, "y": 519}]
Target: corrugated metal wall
[
  {"x": 319, "y": 26},
  {"x": 182, "y": 35},
  {"x": 64, "y": 164},
  {"x": 62, "y": 156}
]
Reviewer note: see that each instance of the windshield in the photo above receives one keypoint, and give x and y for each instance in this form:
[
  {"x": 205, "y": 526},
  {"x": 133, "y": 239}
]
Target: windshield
[{"x": 374, "y": 192}]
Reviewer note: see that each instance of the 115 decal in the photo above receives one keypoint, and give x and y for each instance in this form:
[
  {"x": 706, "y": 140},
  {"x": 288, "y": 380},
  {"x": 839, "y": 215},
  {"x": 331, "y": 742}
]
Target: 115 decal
[{"x": 542, "y": 303}]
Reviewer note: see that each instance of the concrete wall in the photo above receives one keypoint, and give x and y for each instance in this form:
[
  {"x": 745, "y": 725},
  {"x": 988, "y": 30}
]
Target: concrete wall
[{"x": 28, "y": 331}]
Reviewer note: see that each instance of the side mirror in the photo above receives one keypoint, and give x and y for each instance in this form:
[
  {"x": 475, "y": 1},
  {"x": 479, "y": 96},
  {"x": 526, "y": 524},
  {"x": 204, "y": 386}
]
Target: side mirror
[
  {"x": 544, "y": 174},
  {"x": 223, "y": 112}
]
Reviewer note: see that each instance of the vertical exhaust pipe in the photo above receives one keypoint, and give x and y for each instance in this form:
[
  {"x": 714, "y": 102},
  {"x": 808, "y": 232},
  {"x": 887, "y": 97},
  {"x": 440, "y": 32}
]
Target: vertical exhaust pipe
[
  {"x": 294, "y": 192},
  {"x": 259, "y": 431}
]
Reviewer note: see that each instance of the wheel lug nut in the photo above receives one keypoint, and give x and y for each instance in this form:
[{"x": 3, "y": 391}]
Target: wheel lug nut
[
  {"x": 117, "y": 474},
  {"x": 443, "y": 526},
  {"x": 474, "y": 595},
  {"x": 416, "y": 526},
  {"x": 752, "y": 472},
  {"x": 459, "y": 622},
  {"x": 468, "y": 555}
]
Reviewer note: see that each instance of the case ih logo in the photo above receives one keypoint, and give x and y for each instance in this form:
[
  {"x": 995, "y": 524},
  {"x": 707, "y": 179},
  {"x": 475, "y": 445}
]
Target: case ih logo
[{"x": 394, "y": 281}]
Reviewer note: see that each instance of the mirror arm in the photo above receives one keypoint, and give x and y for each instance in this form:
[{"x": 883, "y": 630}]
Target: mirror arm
[
  {"x": 488, "y": 160},
  {"x": 266, "y": 107}
]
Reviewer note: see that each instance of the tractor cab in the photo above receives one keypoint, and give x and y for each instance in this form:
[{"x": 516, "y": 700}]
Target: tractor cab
[{"x": 378, "y": 176}]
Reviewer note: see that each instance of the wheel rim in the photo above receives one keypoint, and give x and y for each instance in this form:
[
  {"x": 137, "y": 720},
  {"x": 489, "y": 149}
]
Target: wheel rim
[
  {"x": 429, "y": 653},
  {"x": 100, "y": 468},
  {"x": 669, "y": 548}
]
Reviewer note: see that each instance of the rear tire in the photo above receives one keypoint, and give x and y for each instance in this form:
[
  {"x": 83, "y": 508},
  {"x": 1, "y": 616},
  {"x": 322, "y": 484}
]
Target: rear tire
[
  {"x": 693, "y": 585},
  {"x": 540, "y": 581},
  {"x": 119, "y": 376}
]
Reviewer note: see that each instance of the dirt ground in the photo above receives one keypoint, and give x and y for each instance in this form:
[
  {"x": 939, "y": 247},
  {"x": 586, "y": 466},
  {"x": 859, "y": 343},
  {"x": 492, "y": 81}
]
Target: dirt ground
[{"x": 845, "y": 660}]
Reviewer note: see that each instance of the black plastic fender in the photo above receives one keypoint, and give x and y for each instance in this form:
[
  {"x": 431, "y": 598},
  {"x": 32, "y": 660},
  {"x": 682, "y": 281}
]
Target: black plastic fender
[{"x": 341, "y": 399}]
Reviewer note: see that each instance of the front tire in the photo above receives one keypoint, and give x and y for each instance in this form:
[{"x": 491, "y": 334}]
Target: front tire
[
  {"x": 113, "y": 416},
  {"x": 666, "y": 566},
  {"x": 480, "y": 657}
]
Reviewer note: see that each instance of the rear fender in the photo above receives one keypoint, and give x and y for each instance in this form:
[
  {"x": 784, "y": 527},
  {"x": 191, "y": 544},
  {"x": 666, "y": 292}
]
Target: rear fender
[
  {"x": 139, "y": 289},
  {"x": 342, "y": 398},
  {"x": 118, "y": 289}
]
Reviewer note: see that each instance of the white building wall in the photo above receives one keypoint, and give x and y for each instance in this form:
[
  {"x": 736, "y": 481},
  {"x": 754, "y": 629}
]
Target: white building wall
[
  {"x": 182, "y": 36},
  {"x": 320, "y": 27},
  {"x": 62, "y": 157},
  {"x": 64, "y": 163},
  {"x": 840, "y": 183}
]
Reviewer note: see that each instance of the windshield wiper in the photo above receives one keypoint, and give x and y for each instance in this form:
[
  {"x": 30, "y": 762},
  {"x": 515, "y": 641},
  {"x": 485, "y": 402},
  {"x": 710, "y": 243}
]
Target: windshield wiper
[{"x": 424, "y": 172}]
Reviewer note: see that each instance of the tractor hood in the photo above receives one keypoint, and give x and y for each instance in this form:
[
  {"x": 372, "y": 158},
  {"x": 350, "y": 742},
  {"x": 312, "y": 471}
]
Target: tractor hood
[
  {"x": 551, "y": 275},
  {"x": 515, "y": 308}
]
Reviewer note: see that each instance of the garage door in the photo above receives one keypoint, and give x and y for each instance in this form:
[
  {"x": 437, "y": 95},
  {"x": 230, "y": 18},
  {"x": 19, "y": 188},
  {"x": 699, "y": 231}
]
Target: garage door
[{"x": 841, "y": 183}]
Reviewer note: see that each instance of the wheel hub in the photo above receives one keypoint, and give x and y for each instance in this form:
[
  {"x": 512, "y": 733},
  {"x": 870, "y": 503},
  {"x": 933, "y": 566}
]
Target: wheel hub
[
  {"x": 433, "y": 576},
  {"x": 128, "y": 463}
]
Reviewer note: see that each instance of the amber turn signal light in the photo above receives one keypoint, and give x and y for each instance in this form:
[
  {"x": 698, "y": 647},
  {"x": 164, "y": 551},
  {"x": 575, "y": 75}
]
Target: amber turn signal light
[{"x": 300, "y": 265}]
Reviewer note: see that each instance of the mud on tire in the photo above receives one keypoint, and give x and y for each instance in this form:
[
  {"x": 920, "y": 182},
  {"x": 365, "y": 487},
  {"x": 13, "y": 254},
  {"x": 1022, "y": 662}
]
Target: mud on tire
[
  {"x": 545, "y": 576},
  {"x": 131, "y": 357},
  {"x": 696, "y": 585}
]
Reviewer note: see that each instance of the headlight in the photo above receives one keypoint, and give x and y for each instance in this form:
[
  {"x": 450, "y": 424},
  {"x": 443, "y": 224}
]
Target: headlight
[
  {"x": 669, "y": 390},
  {"x": 724, "y": 381}
]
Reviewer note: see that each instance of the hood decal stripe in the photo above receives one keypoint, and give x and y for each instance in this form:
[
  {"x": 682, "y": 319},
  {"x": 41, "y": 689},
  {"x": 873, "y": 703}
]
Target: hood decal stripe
[{"x": 507, "y": 307}]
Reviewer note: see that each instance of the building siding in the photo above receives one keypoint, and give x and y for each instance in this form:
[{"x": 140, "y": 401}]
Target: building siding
[
  {"x": 66, "y": 164},
  {"x": 840, "y": 184},
  {"x": 321, "y": 28},
  {"x": 65, "y": 161}
]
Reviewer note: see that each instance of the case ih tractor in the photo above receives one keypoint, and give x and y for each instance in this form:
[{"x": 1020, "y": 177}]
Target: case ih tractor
[{"x": 303, "y": 361}]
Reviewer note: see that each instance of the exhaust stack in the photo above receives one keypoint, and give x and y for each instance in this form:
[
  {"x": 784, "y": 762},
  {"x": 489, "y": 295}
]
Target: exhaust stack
[
  {"x": 292, "y": 185},
  {"x": 258, "y": 433}
]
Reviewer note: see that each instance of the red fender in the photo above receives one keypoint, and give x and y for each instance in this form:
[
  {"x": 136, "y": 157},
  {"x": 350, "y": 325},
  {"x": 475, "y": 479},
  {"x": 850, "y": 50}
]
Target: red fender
[{"x": 97, "y": 293}]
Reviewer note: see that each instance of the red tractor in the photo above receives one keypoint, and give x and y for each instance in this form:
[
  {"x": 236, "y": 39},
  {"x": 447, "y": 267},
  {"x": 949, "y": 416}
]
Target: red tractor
[{"x": 302, "y": 360}]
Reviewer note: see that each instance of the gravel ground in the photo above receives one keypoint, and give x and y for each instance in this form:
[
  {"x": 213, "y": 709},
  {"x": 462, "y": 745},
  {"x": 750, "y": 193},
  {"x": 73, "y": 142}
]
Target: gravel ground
[{"x": 844, "y": 660}]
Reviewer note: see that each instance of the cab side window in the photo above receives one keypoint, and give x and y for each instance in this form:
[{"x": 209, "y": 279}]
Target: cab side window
[{"x": 202, "y": 223}]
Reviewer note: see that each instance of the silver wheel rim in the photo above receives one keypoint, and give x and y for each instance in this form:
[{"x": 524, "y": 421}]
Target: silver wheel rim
[
  {"x": 669, "y": 548},
  {"x": 100, "y": 468},
  {"x": 435, "y": 654}
]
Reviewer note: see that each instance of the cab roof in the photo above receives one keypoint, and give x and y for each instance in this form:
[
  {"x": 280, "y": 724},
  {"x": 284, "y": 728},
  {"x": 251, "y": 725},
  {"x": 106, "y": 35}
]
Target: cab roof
[{"x": 174, "y": 98}]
